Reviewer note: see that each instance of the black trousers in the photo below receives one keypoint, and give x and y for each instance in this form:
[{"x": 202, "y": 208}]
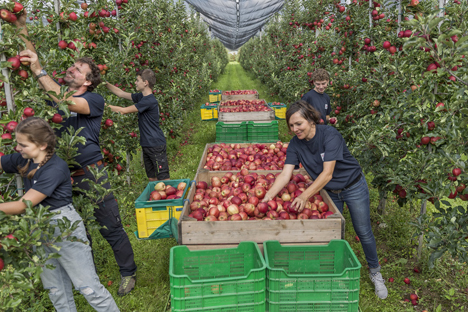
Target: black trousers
[{"x": 108, "y": 215}]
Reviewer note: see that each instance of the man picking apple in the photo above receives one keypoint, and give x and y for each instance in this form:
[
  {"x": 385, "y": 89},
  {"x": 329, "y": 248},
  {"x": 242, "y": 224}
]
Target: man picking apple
[
  {"x": 86, "y": 112},
  {"x": 317, "y": 96},
  {"x": 152, "y": 138}
]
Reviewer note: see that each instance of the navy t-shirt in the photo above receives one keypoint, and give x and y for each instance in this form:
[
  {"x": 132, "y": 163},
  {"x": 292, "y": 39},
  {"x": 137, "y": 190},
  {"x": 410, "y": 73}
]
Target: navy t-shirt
[
  {"x": 90, "y": 153},
  {"x": 320, "y": 102},
  {"x": 148, "y": 120},
  {"x": 52, "y": 179},
  {"x": 327, "y": 145}
]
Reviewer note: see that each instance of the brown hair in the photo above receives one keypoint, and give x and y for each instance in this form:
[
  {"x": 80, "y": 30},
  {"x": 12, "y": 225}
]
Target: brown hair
[
  {"x": 320, "y": 74},
  {"x": 305, "y": 110},
  {"x": 148, "y": 75},
  {"x": 39, "y": 132},
  {"x": 94, "y": 76}
]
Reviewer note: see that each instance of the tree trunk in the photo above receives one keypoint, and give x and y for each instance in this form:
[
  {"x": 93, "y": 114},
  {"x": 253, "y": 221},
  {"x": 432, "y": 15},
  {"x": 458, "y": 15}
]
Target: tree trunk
[
  {"x": 421, "y": 237},
  {"x": 382, "y": 203}
]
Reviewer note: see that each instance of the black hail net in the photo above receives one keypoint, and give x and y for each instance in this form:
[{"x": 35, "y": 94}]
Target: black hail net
[{"x": 234, "y": 22}]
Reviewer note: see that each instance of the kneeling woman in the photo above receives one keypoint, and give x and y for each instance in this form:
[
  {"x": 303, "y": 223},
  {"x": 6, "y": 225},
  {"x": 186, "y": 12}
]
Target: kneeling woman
[
  {"x": 324, "y": 155},
  {"x": 47, "y": 182}
]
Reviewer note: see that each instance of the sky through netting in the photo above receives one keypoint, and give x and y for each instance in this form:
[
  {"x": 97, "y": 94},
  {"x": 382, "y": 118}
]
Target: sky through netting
[{"x": 234, "y": 22}]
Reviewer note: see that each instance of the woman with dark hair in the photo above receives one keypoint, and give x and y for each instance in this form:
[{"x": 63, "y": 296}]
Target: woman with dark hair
[
  {"x": 323, "y": 153},
  {"x": 47, "y": 182}
]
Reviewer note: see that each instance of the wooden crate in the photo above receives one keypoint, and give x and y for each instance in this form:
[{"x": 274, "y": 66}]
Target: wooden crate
[
  {"x": 246, "y": 116},
  {"x": 222, "y": 104},
  {"x": 205, "y": 155},
  {"x": 240, "y": 97},
  {"x": 199, "y": 235}
]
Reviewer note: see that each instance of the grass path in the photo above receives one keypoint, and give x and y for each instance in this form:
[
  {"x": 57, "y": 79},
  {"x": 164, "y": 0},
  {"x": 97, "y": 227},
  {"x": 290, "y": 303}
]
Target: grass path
[{"x": 394, "y": 242}]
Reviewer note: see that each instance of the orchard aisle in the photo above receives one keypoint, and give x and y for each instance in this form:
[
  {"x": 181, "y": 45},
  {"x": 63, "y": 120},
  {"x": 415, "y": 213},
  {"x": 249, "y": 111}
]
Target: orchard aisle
[{"x": 184, "y": 152}]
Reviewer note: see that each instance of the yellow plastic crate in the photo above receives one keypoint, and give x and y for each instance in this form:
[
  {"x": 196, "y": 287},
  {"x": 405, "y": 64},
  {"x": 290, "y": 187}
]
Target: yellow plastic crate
[
  {"x": 280, "y": 113},
  {"x": 280, "y": 110},
  {"x": 207, "y": 113},
  {"x": 214, "y": 97},
  {"x": 149, "y": 219}
]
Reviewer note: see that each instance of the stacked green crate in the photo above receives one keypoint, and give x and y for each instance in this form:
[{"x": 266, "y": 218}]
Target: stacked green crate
[
  {"x": 231, "y": 132},
  {"x": 229, "y": 279},
  {"x": 263, "y": 132},
  {"x": 312, "y": 278}
]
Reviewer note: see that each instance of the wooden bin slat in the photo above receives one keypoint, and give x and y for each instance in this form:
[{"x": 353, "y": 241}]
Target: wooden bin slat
[
  {"x": 208, "y": 235},
  {"x": 246, "y": 116}
]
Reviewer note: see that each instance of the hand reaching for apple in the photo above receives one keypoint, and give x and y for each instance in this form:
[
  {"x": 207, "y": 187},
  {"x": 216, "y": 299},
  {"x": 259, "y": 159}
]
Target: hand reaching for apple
[
  {"x": 266, "y": 199},
  {"x": 299, "y": 203},
  {"x": 31, "y": 57},
  {"x": 21, "y": 21}
]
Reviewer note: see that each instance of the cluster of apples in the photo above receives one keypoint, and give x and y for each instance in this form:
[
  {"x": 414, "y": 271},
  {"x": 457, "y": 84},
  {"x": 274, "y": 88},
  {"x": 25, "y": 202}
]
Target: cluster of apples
[
  {"x": 242, "y": 102},
  {"x": 225, "y": 157},
  {"x": 239, "y": 92},
  {"x": 238, "y": 196},
  {"x": 245, "y": 108},
  {"x": 163, "y": 191}
]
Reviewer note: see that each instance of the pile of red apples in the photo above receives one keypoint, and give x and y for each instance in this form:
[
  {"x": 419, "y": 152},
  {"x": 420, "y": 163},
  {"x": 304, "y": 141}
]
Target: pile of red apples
[
  {"x": 238, "y": 92},
  {"x": 238, "y": 196},
  {"x": 244, "y": 108},
  {"x": 226, "y": 157},
  {"x": 163, "y": 191},
  {"x": 242, "y": 102}
]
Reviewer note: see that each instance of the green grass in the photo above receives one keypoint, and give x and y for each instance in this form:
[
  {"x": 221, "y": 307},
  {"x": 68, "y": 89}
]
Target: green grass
[{"x": 395, "y": 242}]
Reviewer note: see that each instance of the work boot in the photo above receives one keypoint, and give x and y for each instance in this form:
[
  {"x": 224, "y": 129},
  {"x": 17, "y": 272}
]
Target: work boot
[
  {"x": 127, "y": 283},
  {"x": 380, "y": 288}
]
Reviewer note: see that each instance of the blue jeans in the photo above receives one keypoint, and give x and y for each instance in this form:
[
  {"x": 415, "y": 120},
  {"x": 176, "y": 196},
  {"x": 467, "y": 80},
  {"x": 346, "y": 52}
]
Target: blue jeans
[
  {"x": 75, "y": 265},
  {"x": 357, "y": 199}
]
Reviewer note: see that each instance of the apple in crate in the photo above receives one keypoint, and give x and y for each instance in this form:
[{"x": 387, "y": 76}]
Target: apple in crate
[
  {"x": 155, "y": 195},
  {"x": 181, "y": 186},
  {"x": 160, "y": 186},
  {"x": 170, "y": 190}
]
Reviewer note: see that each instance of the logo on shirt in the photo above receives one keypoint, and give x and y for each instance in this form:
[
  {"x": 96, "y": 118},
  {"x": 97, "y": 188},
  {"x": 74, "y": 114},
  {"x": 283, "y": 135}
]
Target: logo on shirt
[
  {"x": 326, "y": 106},
  {"x": 323, "y": 156},
  {"x": 34, "y": 182}
]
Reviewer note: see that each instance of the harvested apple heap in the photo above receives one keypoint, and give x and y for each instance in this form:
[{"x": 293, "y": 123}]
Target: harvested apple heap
[
  {"x": 237, "y": 92},
  {"x": 163, "y": 191},
  {"x": 242, "y": 102},
  {"x": 238, "y": 196},
  {"x": 244, "y": 108},
  {"x": 227, "y": 157}
]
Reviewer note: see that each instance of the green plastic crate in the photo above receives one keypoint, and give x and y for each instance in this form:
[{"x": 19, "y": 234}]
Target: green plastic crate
[
  {"x": 217, "y": 280},
  {"x": 143, "y": 202},
  {"x": 231, "y": 133},
  {"x": 312, "y": 278},
  {"x": 264, "y": 132}
]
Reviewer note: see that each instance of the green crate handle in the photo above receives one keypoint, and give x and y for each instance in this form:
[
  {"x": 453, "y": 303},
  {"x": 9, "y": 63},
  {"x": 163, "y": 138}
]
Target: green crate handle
[{"x": 353, "y": 256}]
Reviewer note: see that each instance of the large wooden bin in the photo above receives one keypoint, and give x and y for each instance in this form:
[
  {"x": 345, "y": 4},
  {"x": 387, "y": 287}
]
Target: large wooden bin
[
  {"x": 201, "y": 235},
  {"x": 246, "y": 116},
  {"x": 225, "y": 97}
]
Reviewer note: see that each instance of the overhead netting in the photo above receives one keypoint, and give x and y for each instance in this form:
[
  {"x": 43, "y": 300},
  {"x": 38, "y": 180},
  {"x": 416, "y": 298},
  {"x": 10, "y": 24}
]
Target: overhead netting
[{"x": 234, "y": 22}]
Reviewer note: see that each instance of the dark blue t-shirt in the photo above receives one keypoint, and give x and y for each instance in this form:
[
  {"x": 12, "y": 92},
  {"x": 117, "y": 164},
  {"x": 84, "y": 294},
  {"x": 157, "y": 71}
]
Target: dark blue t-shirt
[
  {"x": 52, "y": 179},
  {"x": 148, "y": 120},
  {"x": 90, "y": 153},
  {"x": 327, "y": 145},
  {"x": 320, "y": 102}
]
